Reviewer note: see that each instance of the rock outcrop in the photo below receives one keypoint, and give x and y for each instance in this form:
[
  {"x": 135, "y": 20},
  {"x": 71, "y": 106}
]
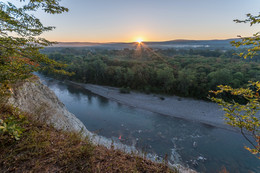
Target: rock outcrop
[{"x": 36, "y": 98}]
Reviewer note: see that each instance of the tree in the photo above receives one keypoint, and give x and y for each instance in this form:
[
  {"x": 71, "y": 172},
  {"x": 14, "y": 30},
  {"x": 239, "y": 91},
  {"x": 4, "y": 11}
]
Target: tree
[
  {"x": 165, "y": 78},
  {"x": 20, "y": 45},
  {"x": 244, "y": 116},
  {"x": 252, "y": 42},
  {"x": 20, "y": 42}
]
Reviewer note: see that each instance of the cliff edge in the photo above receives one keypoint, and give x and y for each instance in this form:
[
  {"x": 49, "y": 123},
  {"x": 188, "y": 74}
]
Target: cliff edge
[{"x": 36, "y": 98}]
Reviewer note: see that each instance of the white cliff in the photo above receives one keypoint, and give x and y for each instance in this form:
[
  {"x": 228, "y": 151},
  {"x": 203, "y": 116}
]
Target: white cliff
[{"x": 37, "y": 99}]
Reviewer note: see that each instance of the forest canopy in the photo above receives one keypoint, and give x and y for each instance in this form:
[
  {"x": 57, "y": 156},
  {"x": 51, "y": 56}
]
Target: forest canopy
[{"x": 190, "y": 73}]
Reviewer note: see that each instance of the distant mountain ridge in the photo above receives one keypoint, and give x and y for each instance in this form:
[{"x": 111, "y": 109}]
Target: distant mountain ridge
[{"x": 221, "y": 44}]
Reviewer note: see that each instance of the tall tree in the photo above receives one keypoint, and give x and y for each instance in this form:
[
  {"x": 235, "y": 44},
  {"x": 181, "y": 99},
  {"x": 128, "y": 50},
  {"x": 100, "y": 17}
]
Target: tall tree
[
  {"x": 19, "y": 47},
  {"x": 20, "y": 42}
]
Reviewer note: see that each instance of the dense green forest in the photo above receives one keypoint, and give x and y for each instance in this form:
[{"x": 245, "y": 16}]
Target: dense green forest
[{"x": 183, "y": 72}]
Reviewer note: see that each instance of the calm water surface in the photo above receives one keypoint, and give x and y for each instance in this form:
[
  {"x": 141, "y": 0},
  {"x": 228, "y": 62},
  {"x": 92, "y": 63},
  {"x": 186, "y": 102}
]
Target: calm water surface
[{"x": 201, "y": 147}]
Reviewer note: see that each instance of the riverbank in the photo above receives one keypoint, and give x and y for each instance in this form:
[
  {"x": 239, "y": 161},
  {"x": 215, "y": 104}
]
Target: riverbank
[{"x": 201, "y": 111}]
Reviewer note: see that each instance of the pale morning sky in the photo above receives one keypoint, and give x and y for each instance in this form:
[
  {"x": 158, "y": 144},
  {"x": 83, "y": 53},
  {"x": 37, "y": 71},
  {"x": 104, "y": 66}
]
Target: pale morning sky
[{"x": 151, "y": 20}]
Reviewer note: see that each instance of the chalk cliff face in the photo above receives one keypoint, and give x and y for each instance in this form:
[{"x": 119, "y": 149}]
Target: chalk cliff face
[{"x": 38, "y": 99}]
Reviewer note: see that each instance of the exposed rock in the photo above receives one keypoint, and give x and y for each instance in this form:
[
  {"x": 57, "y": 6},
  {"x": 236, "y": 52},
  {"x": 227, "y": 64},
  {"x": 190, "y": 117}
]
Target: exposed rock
[
  {"x": 194, "y": 144},
  {"x": 36, "y": 98},
  {"x": 195, "y": 163},
  {"x": 200, "y": 158}
]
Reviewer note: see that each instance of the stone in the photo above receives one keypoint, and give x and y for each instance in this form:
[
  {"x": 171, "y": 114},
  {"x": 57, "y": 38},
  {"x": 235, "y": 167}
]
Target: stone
[{"x": 37, "y": 99}]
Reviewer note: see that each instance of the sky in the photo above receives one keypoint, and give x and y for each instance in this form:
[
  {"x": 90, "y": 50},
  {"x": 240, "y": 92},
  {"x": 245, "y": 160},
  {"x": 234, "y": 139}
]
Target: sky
[{"x": 149, "y": 20}]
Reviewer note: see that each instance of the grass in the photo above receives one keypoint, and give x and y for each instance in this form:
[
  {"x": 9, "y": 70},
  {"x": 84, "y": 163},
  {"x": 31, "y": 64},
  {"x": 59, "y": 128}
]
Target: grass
[{"x": 42, "y": 148}]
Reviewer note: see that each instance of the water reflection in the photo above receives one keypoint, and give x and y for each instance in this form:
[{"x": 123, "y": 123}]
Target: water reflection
[
  {"x": 200, "y": 146},
  {"x": 103, "y": 102}
]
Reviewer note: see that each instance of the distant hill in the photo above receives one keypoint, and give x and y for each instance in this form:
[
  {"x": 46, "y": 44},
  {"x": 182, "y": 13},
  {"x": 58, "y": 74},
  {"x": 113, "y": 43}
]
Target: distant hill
[
  {"x": 182, "y": 44},
  {"x": 75, "y": 44}
]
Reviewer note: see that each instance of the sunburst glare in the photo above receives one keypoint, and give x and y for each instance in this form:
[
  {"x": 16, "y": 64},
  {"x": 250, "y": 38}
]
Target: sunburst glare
[{"x": 139, "y": 40}]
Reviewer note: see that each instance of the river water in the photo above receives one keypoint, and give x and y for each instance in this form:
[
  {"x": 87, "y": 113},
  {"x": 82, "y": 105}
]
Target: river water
[{"x": 199, "y": 146}]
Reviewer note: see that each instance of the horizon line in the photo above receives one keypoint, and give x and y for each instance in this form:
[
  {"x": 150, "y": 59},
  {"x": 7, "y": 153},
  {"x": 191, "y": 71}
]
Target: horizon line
[{"x": 81, "y": 42}]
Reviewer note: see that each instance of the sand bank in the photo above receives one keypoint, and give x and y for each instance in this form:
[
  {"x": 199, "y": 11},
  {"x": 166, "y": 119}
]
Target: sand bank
[{"x": 186, "y": 108}]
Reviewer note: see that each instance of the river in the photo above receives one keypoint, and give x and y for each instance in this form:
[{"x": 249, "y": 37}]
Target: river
[{"x": 201, "y": 147}]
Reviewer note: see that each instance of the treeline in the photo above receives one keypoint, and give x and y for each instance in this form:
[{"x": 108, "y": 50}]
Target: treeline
[{"x": 183, "y": 73}]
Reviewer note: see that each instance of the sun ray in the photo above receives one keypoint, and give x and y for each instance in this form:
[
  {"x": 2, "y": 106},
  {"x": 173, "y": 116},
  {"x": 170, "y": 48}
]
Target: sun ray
[
  {"x": 139, "y": 41},
  {"x": 141, "y": 45}
]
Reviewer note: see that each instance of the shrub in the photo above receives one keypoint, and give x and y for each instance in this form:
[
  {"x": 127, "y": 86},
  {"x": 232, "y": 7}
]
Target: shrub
[{"x": 125, "y": 90}]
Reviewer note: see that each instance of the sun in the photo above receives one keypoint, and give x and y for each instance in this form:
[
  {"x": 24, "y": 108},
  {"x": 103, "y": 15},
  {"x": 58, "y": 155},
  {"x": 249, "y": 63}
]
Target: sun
[{"x": 139, "y": 40}]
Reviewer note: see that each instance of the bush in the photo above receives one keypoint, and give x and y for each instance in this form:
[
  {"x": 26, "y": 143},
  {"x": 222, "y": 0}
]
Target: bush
[
  {"x": 125, "y": 90},
  {"x": 162, "y": 98},
  {"x": 10, "y": 123}
]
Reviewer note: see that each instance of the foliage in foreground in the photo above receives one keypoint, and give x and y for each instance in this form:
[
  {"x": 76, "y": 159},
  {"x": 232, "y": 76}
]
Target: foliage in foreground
[
  {"x": 243, "y": 116},
  {"x": 252, "y": 42},
  {"x": 20, "y": 45},
  {"x": 19, "y": 41},
  {"x": 42, "y": 148}
]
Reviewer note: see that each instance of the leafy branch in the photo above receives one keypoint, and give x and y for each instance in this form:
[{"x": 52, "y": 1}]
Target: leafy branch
[
  {"x": 252, "y": 43},
  {"x": 243, "y": 116}
]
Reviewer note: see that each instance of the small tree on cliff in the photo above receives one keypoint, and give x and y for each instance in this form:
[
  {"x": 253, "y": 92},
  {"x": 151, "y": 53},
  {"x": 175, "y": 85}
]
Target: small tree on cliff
[
  {"x": 244, "y": 116},
  {"x": 20, "y": 42}
]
